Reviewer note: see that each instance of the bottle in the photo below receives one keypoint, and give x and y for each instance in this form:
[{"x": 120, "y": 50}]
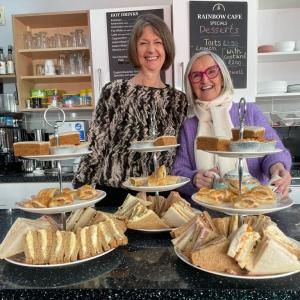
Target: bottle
[
  {"x": 2, "y": 62},
  {"x": 10, "y": 68}
]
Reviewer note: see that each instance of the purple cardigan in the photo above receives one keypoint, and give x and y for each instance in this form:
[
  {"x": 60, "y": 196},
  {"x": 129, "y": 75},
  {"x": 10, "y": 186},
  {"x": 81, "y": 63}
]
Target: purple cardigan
[{"x": 185, "y": 165}]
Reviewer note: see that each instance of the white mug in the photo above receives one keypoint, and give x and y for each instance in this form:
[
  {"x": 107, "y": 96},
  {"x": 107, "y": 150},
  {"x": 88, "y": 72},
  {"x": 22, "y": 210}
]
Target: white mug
[{"x": 49, "y": 67}]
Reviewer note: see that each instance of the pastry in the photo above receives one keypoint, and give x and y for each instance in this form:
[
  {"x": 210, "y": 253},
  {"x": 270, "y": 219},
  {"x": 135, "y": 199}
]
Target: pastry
[{"x": 86, "y": 192}]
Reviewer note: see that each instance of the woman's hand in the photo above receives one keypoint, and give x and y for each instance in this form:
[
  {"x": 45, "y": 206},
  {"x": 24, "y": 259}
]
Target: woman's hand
[
  {"x": 282, "y": 184},
  {"x": 205, "y": 178}
]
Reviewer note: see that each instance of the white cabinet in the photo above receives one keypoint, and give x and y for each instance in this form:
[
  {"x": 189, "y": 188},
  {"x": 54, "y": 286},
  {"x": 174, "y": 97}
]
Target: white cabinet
[
  {"x": 278, "y": 21},
  {"x": 100, "y": 42}
]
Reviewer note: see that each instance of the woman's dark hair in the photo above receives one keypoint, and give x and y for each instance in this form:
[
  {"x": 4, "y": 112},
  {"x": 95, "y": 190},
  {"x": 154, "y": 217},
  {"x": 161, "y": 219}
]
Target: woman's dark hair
[{"x": 161, "y": 29}]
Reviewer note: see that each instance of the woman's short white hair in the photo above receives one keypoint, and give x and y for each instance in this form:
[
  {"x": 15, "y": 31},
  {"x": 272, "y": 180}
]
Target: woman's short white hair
[{"x": 227, "y": 82}]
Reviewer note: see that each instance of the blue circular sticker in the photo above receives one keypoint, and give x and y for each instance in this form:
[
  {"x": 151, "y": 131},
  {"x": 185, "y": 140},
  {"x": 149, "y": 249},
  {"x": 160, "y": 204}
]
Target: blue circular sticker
[{"x": 78, "y": 126}]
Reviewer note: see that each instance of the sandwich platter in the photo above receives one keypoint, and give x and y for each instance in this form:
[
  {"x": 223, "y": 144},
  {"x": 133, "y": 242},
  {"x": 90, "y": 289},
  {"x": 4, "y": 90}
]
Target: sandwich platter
[
  {"x": 149, "y": 147},
  {"x": 64, "y": 208},
  {"x": 244, "y": 154},
  {"x": 227, "y": 208},
  {"x": 159, "y": 188},
  {"x": 247, "y": 277},
  {"x": 64, "y": 156},
  {"x": 19, "y": 260}
]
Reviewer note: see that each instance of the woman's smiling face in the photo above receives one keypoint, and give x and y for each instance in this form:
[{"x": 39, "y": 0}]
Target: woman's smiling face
[
  {"x": 151, "y": 51},
  {"x": 207, "y": 89}
]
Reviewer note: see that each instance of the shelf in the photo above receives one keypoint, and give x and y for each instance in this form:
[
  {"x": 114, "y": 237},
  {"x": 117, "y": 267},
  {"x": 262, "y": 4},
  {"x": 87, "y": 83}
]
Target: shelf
[
  {"x": 278, "y": 95},
  {"x": 57, "y": 19},
  {"x": 278, "y": 56},
  {"x": 55, "y": 78},
  {"x": 34, "y": 110},
  {"x": 47, "y": 53},
  {"x": 7, "y": 78}
]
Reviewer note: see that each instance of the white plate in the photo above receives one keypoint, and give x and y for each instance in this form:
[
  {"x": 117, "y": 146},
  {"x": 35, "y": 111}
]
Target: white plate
[
  {"x": 65, "y": 208},
  {"x": 57, "y": 156},
  {"x": 23, "y": 264},
  {"x": 245, "y": 154},
  {"x": 263, "y": 209},
  {"x": 248, "y": 277},
  {"x": 148, "y": 148},
  {"x": 160, "y": 188}
]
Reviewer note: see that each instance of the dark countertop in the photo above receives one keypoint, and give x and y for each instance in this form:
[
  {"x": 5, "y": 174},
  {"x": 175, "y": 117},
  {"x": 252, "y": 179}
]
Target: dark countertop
[
  {"x": 147, "y": 268},
  {"x": 30, "y": 177}
]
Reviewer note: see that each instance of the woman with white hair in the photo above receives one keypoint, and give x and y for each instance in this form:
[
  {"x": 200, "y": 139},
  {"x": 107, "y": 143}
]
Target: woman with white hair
[{"x": 209, "y": 90}]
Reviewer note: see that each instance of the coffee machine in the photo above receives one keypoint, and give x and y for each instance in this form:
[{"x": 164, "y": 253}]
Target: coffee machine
[{"x": 11, "y": 131}]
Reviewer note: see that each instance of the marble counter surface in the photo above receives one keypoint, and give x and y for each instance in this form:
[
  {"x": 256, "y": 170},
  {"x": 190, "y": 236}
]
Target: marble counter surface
[
  {"x": 30, "y": 177},
  {"x": 147, "y": 268}
]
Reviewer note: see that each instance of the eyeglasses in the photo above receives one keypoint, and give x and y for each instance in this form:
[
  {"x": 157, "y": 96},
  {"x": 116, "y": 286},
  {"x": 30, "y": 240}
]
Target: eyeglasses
[{"x": 210, "y": 73}]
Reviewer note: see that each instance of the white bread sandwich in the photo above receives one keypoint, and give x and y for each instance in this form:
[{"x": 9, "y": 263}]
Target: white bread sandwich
[
  {"x": 273, "y": 232},
  {"x": 144, "y": 218},
  {"x": 270, "y": 257},
  {"x": 193, "y": 235},
  {"x": 126, "y": 208},
  {"x": 177, "y": 215},
  {"x": 212, "y": 256},
  {"x": 13, "y": 242},
  {"x": 57, "y": 248},
  {"x": 79, "y": 218},
  {"x": 242, "y": 243},
  {"x": 101, "y": 216}
]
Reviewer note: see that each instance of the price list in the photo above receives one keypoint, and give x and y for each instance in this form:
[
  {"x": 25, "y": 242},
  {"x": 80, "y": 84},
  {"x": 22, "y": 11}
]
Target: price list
[
  {"x": 119, "y": 26},
  {"x": 221, "y": 27}
]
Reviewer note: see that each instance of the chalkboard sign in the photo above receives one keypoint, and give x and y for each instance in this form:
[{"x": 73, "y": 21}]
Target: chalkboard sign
[
  {"x": 221, "y": 27},
  {"x": 119, "y": 26}
]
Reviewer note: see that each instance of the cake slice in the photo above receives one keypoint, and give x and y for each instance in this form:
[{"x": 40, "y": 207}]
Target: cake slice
[
  {"x": 165, "y": 140},
  {"x": 212, "y": 143},
  {"x": 66, "y": 138},
  {"x": 31, "y": 148},
  {"x": 250, "y": 132}
]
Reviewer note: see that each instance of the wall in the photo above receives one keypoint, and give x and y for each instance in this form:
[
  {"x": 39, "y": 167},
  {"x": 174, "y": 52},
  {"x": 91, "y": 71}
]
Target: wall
[
  {"x": 35, "y": 120},
  {"x": 35, "y": 6}
]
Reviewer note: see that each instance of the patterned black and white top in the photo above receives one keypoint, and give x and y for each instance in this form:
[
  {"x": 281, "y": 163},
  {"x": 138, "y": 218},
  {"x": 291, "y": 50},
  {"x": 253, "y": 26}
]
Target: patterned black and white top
[{"x": 123, "y": 115}]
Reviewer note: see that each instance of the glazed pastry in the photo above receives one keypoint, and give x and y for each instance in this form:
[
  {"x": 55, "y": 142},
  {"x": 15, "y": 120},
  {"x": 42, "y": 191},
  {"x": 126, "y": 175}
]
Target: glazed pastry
[{"x": 86, "y": 192}]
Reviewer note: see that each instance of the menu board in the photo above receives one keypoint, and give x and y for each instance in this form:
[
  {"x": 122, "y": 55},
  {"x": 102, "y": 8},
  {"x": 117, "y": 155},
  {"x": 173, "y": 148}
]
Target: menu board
[
  {"x": 119, "y": 26},
  {"x": 221, "y": 27}
]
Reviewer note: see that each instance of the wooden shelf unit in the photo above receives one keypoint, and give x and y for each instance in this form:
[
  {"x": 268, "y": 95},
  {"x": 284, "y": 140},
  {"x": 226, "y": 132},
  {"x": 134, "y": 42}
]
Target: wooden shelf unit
[
  {"x": 8, "y": 78},
  {"x": 27, "y": 59}
]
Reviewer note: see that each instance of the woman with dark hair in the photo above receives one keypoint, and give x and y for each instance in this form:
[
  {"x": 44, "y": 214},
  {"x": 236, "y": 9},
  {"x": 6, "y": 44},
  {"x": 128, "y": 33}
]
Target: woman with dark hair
[
  {"x": 209, "y": 91},
  {"x": 123, "y": 113}
]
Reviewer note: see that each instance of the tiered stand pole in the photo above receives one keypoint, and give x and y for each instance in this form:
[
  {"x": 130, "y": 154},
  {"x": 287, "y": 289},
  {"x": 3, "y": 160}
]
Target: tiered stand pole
[{"x": 59, "y": 171}]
